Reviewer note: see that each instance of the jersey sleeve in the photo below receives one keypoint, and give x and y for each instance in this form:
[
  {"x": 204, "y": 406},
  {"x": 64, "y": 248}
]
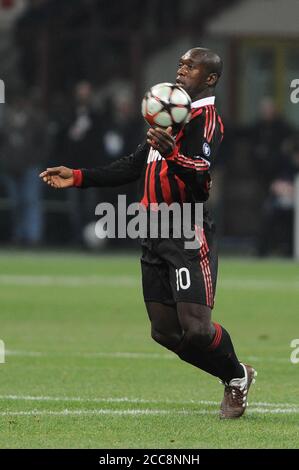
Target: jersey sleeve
[
  {"x": 195, "y": 152},
  {"x": 122, "y": 171}
]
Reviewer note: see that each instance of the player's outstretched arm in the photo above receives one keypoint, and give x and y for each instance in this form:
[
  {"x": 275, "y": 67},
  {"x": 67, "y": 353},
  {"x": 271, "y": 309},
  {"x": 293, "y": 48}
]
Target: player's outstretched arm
[
  {"x": 122, "y": 171},
  {"x": 58, "y": 177}
]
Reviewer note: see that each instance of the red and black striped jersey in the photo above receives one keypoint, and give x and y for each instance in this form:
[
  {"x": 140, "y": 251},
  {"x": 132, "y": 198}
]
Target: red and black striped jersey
[{"x": 183, "y": 176}]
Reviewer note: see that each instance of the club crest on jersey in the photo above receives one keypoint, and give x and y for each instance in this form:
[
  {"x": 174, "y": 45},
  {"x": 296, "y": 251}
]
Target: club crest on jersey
[
  {"x": 154, "y": 156},
  {"x": 206, "y": 149}
]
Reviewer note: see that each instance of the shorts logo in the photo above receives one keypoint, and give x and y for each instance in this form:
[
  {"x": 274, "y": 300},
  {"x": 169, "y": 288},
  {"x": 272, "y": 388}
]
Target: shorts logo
[{"x": 206, "y": 149}]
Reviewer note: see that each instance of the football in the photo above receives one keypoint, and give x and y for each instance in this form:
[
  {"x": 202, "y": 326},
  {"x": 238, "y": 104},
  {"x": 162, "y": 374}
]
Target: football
[{"x": 166, "y": 105}]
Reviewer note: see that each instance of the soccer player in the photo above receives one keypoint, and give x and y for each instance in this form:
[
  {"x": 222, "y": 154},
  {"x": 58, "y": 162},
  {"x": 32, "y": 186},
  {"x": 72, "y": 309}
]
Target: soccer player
[{"x": 179, "y": 283}]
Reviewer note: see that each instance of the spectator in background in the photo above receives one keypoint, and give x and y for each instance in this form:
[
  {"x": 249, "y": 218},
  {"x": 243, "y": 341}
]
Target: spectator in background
[
  {"x": 29, "y": 29},
  {"x": 268, "y": 136},
  {"x": 23, "y": 153},
  {"x": 123, "y": 130},
  {"x": 58, "y": 122},
  {"x": 83, "y": 147},
  {"x": 278, "y": 208}
]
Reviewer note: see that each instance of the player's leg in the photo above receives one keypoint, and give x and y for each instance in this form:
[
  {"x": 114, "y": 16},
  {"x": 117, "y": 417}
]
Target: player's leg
[
  {"x": 167, "y": 331},
  {"x": 192, "y": 276},
  {"x": 204, "y": 339},
  {"x": 157, "y": 293},
  {"x": 165, "y": 327},
  {"x": 194, "y": 284},
  {"x": 216, "y": 349}
]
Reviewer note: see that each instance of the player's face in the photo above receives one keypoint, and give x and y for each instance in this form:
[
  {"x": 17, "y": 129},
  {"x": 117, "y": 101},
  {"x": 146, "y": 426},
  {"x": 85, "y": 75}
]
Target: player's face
[{"x": 192, "y": 74}]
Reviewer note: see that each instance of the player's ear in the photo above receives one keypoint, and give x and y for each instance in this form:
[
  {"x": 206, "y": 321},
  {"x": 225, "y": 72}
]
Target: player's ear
[
  {"x": 212, "y": 79},
  {"x": 169, "y": 130}
]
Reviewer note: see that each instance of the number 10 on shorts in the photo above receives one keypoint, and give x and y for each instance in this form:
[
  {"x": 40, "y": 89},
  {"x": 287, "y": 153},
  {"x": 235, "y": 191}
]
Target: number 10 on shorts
[{"x": 183, "y": 280}]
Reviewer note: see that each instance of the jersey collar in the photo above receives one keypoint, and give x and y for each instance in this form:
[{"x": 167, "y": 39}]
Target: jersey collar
[{"x": 203, "y": 102}]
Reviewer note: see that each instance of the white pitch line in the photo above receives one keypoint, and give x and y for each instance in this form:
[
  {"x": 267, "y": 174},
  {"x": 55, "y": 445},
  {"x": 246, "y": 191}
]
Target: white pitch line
[
  {"x": 127, "y": 355},
  {"x": 273, "y": 410},
  {"x": 278, "y": 360},
  {"x": 275, "y": 405},
  {"x": 130, "y": 355},
  {"x": 105, "y": 400},
  {"x": 135, "y": 355},
  {"x": 132, "y": 412},
  {"x": 69, "y": 281},
  {"x": 138, "y": 412},
  {"x": 114, "y": 355},
  {"x": 262, "y": 284},
  {"x": 9, "y": 352},
  {"x": 134, "y": 281},
  {"x": 260, "y": 405}
]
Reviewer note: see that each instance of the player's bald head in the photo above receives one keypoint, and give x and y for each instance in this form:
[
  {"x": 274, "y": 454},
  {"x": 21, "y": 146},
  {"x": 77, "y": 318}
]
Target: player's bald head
[
  {"x": 208, "y": 58},
  {"x": 199, "y": 71}
]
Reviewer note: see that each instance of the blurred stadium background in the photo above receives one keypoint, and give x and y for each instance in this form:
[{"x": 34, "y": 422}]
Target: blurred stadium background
[{"x": 75, "y": 72}]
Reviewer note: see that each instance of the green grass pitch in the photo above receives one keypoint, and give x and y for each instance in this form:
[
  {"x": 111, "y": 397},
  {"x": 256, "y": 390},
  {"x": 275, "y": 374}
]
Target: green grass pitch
[{"x": 81, "y": 370}]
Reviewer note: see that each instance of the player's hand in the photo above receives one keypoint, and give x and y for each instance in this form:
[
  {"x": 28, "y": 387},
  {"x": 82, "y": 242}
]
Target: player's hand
[
  {"x": 58, "y": 177},
  {"x": 161, "y": 140}
]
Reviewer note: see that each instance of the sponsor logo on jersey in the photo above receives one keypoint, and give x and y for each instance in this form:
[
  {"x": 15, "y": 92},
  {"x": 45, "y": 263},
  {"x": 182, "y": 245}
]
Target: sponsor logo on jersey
[{"x": 154, "y": 156}]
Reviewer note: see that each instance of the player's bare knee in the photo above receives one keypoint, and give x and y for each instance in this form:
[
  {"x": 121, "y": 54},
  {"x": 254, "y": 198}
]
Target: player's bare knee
[
  {"x": 168, "y": 340},
  {"x": 199, "y": 334}
]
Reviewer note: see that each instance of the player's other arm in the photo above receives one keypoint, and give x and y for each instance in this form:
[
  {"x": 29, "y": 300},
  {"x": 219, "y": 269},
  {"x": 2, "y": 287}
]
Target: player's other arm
[{"x": 122, "y": 171}]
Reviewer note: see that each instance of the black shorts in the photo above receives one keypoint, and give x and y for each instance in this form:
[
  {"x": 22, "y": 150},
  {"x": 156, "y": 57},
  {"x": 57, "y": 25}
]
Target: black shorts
[{"x": 171, "y": 273}]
